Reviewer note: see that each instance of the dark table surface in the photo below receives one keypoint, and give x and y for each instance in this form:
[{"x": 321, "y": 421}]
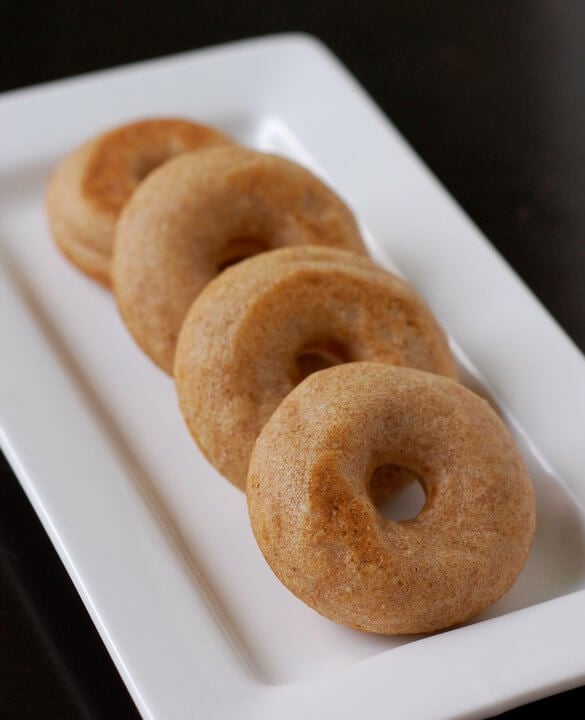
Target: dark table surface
[{"x": 492, "y": 96}]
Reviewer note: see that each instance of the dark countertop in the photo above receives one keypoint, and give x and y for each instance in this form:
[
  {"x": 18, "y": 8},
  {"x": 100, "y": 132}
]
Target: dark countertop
[{"x": 491, "y": 95}]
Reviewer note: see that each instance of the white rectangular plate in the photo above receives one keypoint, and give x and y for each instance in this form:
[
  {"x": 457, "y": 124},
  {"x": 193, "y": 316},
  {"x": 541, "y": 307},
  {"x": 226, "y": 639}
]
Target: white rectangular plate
[{"x": 157, "y": 544}]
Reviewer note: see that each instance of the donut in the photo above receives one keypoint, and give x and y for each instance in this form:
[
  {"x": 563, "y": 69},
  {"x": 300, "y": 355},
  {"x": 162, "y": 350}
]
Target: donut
[
  {"x": 91, "y": 185},
  {"x": 260, "y": 327},
  {"x": 195, "y": 216},
  {"x": 316, "y": 524}
]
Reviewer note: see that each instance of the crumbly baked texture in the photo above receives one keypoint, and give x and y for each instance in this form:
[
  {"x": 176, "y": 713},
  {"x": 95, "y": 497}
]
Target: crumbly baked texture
[
  {"x": 316, "y": 525},
  {"x": 91, "y": 185},
  {"x": 307, "y": 375},
  {"x": 261, "y": 326},
  {"x": 198, "y": 214}
]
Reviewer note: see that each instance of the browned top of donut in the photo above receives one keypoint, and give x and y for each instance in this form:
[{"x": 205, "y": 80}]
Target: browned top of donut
[
  {"x": 203, "y": 211},
  {"x": 121, "y": 158},
  {"x": 262, "y": 325},
  {"x": 312, "y": 513}
]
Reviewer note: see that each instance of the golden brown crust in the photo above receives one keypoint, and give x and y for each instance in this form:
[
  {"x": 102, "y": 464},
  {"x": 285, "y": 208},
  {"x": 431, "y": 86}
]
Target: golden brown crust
[
  {"x": 122, "y": 158},
  {"x": 195, "y": 215},
  {"x": 240, "y": 345},
  {"x": 319, "y": 530},
  {"x": 90, "y": 186}
]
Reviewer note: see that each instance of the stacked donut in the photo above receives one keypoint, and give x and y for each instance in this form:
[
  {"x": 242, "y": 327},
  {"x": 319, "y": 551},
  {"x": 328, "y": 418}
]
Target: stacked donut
[{"x": 309, "y": 377}]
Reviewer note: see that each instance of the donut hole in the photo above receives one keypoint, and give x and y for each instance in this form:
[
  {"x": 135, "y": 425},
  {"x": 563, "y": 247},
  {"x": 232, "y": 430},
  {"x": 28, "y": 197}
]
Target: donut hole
[
  {"x": 397, "y": 492},
  {"x": 318, "y": 356},
  {"x": 239, "y": 249}
]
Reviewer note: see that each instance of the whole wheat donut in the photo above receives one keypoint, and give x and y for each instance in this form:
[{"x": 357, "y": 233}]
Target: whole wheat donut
[
  {"x": 91, "y": 185},
  {"x": 261, "y": 326},
  {"x": 196, "y": 215},
  {"x": 315, "y": 522}
]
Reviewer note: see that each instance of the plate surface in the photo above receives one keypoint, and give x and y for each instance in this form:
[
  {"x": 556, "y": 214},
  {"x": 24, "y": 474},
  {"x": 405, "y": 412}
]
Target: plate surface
[{"x": 158, "y": 545}]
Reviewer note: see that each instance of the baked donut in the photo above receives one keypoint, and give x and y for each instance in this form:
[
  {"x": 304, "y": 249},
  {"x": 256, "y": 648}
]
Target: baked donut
[
  {"x": 89, "y": 188},
  {"x": 316, "y": 524},
  {"x": 263, "y": 325},
  {"x": 198, "y": 214}
]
